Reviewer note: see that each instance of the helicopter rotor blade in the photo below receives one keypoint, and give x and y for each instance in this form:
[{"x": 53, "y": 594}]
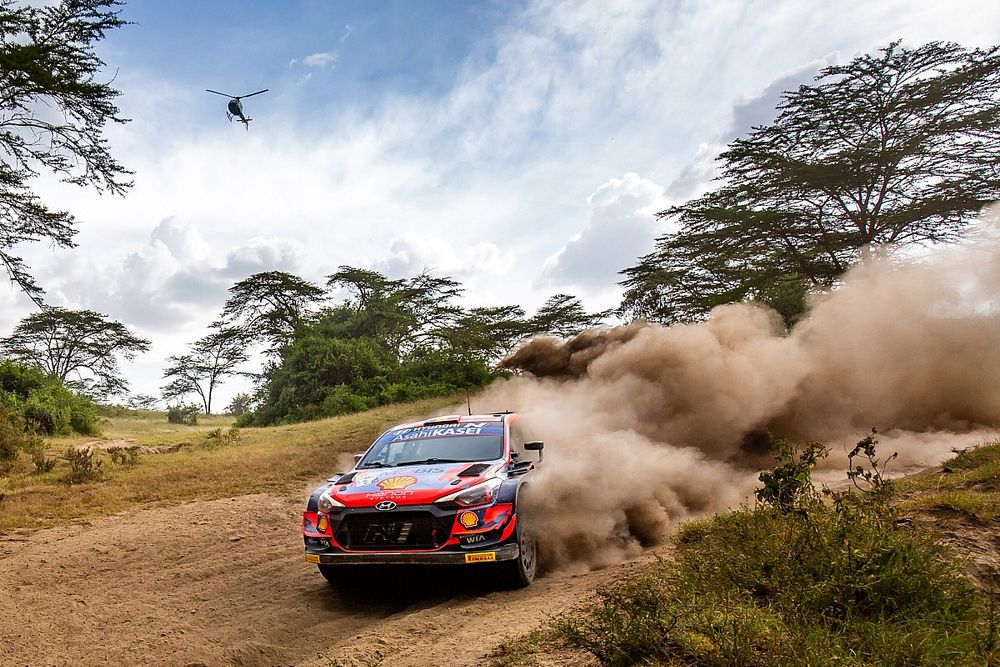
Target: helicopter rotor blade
[
  {"x": 252, "y": 94},
  {"x": 218, "y": 93}
]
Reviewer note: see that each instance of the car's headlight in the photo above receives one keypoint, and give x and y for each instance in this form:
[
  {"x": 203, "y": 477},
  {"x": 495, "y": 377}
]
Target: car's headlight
[
  {"x": 327, "y": 503},
  {"x": 480, "y": 494}
]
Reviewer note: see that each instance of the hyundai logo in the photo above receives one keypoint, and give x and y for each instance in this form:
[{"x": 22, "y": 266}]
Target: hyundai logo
[{"x": 386, "y": 505}]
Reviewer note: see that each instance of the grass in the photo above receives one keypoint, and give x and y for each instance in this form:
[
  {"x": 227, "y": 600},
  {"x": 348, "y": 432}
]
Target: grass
[
  {"x": 271, "y": 459},
  {"x": 522, "y": 651},
  {"x": 969, "y": 483},
  {"x": 841, "y": 578}
]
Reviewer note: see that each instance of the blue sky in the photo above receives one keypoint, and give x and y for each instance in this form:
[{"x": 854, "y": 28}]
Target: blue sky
[
  {"x": 381, "y": 48},
  {"x": 520, "y": 147}
]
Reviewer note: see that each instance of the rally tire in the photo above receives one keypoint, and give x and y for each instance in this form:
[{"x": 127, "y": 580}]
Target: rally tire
[{"x": 520, "y": 572}]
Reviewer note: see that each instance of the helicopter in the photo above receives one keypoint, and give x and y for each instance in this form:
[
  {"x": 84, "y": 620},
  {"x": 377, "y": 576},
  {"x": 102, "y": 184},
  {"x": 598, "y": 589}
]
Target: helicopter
[{"x": 235, "y": 108}]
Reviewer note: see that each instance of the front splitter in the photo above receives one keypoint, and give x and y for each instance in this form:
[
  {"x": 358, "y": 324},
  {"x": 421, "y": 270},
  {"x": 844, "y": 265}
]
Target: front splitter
[{"x": 502, "y": 553}]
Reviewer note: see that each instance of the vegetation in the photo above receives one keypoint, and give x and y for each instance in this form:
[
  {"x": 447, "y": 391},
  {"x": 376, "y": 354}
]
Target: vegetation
[
  {"x": 393, "y": 340},
  {"x": 966, "y": 485},
  {"x": 270, "y": 306},
  {"x": 890, "y": 149},
  {"x": 78, "y": 347},
  {"x": 183, "y": 414},
  {"x": 802, "y": 578},
  {"x": 218, "y": 354},
  {"x": 47, "y": 61},
  {"x": 42, "y": 404},
  {"x": 191, "y": 464}
]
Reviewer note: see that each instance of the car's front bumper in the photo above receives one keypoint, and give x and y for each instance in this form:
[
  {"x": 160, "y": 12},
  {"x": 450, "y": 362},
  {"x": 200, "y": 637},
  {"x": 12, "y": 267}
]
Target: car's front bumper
[{"x": 489, "y": 555}]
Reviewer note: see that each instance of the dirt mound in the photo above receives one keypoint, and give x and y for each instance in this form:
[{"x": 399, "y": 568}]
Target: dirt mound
[{"x": 126, "y": 444}]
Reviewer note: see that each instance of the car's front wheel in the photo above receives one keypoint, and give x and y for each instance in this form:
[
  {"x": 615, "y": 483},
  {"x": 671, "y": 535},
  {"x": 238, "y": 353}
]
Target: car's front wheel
[{"x": 520, "y": 572}]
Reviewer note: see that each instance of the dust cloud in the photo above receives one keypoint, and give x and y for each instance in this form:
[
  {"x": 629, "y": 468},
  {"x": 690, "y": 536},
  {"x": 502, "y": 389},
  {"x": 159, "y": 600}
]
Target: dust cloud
[{"x": 647, "y": 425}]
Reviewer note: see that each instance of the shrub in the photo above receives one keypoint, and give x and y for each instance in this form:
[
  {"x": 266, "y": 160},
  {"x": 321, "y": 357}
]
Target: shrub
[
  {"x": 124, "y": 456},
  {"x": 240, "y": 405},
  {"x": 84, "y": 466},
  {"x": 220, "y": 437},
  {"x": 46, "y": 405},
  {"x": 183, "y": 414},
  {"x": 42, "y": 462},
  {"x": 15, "y": 438},
  {"x": 802, "y": 578}
]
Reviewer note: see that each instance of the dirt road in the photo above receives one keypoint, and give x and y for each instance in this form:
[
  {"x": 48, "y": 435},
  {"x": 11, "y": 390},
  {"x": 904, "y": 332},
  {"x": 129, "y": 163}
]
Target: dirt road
[{"x": 224, "y": 583}]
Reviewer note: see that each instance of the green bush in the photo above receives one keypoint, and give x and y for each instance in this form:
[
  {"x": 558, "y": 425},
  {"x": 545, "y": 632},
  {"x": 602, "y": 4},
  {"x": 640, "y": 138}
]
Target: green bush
[
  {"x": 802, "y": 578},
  {"x": 15, "y": 438},
  {"x": 220, "y": 437},
  {"x": 183, "y": 414},
  {"x": 46, "y": 406}
]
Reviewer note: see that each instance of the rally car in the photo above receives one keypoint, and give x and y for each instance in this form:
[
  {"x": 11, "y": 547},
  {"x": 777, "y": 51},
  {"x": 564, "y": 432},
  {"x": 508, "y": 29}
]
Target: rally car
[{"x": 440, "y": 491}]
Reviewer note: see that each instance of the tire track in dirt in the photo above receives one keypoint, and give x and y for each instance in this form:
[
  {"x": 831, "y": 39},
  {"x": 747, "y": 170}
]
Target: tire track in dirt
[{"x": 223, "y": 582}]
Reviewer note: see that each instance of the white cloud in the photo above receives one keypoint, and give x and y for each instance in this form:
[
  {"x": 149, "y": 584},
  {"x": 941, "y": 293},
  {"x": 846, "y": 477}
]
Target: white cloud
[
  {"x": 622, "y": 227},
  {"x": 410, "y": 255},
  {"x": 321, "y": 59}
]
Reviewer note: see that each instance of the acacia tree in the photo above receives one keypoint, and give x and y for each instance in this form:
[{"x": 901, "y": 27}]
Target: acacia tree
[
  {"x": 53, "y": 111},
  {"x": 212, "y": 358},
  {"x": 564, "y": 315},
  {"x": 270, "y": 305},
  {"x": 896, "y": 148},
  {"x": 488, "y": 332},
  {"x": 399, "y": 313},
  {"x": 79, "y": 347}
]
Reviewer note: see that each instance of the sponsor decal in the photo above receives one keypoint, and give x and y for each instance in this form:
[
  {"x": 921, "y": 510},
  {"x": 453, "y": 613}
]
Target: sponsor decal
[
  {"x": 397, "y": 483},
  {"x": 385, "y": 495},
  {"x": 443, "y": 430},
  {"x": 312, "y": 558},
  {"x": 365, "y": 478},
  {"x": 468, "y": 519},
  {"x": 472, "y": 539},
  {"x": 486, "y": 557},
  {"x": 385, "y": 505}
]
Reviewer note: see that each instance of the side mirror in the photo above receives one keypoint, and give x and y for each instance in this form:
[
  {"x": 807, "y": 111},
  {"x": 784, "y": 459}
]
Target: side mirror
[
  {"x": 357, "y": 459},
  {"x": 535, "y": 446}
]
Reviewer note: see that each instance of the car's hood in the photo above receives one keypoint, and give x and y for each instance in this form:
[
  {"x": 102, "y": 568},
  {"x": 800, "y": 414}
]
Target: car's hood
[{"x": 410, "y": 485}]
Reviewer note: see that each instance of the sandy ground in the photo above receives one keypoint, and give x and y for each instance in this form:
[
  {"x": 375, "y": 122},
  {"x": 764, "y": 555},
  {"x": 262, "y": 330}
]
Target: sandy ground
[{"x": 224, "y": 583}]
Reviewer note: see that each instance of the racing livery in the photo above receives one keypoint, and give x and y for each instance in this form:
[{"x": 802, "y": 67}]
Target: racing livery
[{"x": 443, "y": 491}]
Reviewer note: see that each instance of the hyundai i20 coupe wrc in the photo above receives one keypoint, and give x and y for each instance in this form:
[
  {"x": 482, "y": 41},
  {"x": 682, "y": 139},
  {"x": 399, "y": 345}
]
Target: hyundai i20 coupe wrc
[{"x": 440, "y": 491}]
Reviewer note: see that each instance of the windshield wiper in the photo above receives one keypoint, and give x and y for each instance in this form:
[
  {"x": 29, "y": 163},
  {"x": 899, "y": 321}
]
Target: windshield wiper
[
  {"x": 376, "y": 464},
  {"x": 430, "y": 460}
]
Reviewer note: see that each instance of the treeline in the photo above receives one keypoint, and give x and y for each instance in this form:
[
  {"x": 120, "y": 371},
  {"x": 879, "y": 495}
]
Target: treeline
[{"x": 361, "y": 340}]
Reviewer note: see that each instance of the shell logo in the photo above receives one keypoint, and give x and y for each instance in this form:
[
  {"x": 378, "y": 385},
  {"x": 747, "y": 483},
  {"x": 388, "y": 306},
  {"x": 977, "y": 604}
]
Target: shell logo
[{"x": 397, "y": 483}]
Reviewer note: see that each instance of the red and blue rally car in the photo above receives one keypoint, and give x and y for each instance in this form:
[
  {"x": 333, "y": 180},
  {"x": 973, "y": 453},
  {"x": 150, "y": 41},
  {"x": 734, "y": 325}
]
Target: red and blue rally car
[{"x": 443, "y": 491}]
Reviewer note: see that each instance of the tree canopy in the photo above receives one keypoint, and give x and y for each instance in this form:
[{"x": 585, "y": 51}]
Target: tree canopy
[
  {"x": 394, "y": 339},
  {"x": 53, "y": 110},
  {"x": 269, "y": 306},
  {"x": 78, "y": 347},
  {"x": 213, "y": 357},
  {"x": 895, "y": 148}
]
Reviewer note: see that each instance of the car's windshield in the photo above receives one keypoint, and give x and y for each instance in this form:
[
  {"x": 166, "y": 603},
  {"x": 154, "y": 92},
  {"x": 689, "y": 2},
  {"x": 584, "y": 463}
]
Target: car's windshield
[{"x": 452, "y": 444}]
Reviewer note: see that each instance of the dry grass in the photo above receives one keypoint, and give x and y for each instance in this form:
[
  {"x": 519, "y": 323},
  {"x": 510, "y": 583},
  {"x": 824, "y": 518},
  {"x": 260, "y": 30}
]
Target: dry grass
[{"x": 279, "y": 458}]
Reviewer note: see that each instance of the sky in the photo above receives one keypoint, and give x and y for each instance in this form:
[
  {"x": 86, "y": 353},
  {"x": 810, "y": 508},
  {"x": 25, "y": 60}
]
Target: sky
[{"x": 522, "y": 147}]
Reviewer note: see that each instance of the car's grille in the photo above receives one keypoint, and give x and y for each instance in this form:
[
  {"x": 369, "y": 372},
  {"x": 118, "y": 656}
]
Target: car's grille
[{"x": 392, "y": 531}]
